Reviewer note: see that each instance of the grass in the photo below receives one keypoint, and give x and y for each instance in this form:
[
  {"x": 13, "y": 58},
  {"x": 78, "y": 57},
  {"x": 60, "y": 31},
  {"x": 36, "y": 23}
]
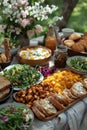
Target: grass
[{"x": 78, "y": 19}]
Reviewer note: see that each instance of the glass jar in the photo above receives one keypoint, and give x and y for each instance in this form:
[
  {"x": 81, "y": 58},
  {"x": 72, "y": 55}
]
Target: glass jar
[
  {"x": 60, "y": 57},
  {"x": 50, "y": 41}
]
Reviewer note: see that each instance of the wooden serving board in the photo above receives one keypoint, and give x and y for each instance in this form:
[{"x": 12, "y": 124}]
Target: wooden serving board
[
  {"x": 60, "y": 111},
  {"x": 66, "y": 108}
]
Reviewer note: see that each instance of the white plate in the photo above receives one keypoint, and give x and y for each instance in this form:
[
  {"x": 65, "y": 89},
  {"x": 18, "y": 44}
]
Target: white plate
[
  {"x": 19, "y": 105},
  {"x": 16, "y": 88}
]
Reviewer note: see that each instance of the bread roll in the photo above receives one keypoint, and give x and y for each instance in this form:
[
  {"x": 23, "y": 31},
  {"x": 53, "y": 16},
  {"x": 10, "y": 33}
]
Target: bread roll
[
  {"x": 74, "y": 36},
  {"x": 3, "y": 58},
  {"x": 85, "y": 83},
  {"x": 78, "y": 90},
  {"x": 78, "y": 47},
  {"x": 69, "y": 43},
  {"x": 7, "y": 49}
]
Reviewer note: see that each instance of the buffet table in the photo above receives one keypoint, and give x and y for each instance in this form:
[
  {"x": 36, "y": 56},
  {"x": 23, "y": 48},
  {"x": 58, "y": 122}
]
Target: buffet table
[{"x": 75, "y": 118}]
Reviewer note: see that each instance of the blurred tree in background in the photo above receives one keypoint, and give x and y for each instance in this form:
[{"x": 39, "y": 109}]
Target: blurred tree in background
[{"x": 74, "y": 13}]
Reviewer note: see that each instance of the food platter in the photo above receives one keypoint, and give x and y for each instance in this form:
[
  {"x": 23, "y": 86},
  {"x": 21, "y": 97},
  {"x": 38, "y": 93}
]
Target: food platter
[
  {"x": 51, "y": 98},
  {"x": 13, "y": 109},
  {"x": 16, "y": 70}
]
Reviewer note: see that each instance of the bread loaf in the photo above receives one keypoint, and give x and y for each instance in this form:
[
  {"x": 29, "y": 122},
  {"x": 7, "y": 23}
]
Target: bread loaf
[
  {"x": 7, "y": 49},
  {"x": 4, "y": 83},
  {"x": 4, "y": 93}
]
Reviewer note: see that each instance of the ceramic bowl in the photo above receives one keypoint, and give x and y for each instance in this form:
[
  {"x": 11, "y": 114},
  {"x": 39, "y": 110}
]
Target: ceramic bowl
[
  {"x": 72, "y": 62},
  {"x": 67, "y": 32},
  {"x": 32, "y": 61}
]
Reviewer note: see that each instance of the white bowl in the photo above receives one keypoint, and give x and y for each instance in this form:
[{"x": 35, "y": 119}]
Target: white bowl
[{"x": 67, "y": 32}]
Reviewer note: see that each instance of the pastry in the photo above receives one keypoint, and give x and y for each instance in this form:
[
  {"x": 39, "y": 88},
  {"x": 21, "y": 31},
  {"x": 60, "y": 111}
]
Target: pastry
[
  {"x": 78, "y": 90},
  {"x": 75, "y": 36},
  {"x": 78, "y": 46},
  {"x": 69, "y": 43}
]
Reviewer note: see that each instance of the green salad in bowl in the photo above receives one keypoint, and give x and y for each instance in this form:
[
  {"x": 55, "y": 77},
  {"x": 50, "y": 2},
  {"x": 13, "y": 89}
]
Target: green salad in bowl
[
  {"x": 15, "y": 116},
  {"x": 77, "y": 64},
  {"x": 22, "y": 76}
]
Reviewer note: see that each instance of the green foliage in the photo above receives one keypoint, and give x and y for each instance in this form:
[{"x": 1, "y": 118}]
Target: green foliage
[{"x": 78, "y": 18}]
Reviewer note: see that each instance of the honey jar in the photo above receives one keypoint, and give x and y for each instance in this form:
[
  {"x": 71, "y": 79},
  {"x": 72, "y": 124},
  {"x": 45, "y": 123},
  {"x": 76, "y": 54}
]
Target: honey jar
[
  {"x": 50, "y": 41},
  {"x": 60, "y": 57}
]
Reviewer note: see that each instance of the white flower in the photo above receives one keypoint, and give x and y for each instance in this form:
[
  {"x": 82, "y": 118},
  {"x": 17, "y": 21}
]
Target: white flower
[
  {"x": 56, "y": 18},
  {"x": 20, "y": 16},
  {"x": 2, "y": 28},
  {"x": 38, "y": 28}
]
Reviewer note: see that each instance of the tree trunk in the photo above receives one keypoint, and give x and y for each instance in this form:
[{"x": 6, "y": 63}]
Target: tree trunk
[{"x": 67, "y": 9}]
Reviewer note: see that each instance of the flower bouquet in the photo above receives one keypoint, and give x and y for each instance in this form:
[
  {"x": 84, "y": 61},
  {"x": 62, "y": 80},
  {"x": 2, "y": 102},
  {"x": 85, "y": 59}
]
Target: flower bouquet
[{"x": 21, "y": 17}]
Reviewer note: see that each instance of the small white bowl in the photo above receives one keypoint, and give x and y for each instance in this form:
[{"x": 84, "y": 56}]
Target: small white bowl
[{"x": 67, "y": 32}]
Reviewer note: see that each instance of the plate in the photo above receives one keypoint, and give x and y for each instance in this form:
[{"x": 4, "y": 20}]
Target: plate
[
  {"x": 15, "y": 108},
  {"x": 72, "y": 68},
  {"x": 7, "y": 97},
  {"x": 41, "y": 77}
]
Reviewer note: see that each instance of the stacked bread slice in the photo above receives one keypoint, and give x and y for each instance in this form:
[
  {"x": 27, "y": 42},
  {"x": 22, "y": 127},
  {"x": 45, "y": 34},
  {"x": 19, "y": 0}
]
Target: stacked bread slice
[{"x": 4, "y": 87}]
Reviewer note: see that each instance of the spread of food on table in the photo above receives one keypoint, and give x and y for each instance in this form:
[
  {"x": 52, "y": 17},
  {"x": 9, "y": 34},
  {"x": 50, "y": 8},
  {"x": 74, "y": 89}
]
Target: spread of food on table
[
  {"x": 47, "y": 91},
  {"x": 54, "y": 94}
]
